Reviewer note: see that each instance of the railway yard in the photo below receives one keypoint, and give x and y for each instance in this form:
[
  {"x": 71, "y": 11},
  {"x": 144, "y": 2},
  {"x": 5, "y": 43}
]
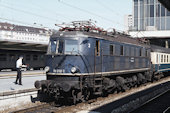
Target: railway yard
[{"x": 150, "y": 97}]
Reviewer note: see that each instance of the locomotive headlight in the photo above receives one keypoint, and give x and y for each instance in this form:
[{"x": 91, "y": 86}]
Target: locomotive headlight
[
  {"x": 47, "y": 68},
  {"x": 73, "y": 70}
]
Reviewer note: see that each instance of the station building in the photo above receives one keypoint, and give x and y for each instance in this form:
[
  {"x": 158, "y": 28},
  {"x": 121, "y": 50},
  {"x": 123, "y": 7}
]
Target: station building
[
  {"x": 16, "y": 40},
  {"x": 151, "y": 20}
]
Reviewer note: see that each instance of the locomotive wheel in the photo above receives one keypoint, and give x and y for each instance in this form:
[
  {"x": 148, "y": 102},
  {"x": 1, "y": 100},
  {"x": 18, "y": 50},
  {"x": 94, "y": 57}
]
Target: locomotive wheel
[
  {"x": 74, "y": 95},
  {"x": 80, "y": 97},
  {"x": 148, "y": 76},
  {"x": 86, "y": 94},
  {"x": 120, "y": 83},
  {"x": 140, "y": 78}
]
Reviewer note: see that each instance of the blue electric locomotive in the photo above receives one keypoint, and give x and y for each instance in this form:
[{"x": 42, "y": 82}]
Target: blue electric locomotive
[{"x": 85, "y": 60}]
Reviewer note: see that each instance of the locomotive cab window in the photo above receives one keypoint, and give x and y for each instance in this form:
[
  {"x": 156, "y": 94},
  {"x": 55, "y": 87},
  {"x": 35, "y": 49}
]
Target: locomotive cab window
[
  {"x": 60, "y": 45},
  {"x": 56, "y": 47},
  {"x": 71, "y": 46},
  {"x": 97, "y": 48},
  {"x": 53, "y": 46}
]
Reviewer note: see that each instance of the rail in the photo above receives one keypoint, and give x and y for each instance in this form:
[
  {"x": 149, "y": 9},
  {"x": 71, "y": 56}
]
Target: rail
[
  {"x": 125, "y": 104},
  {"x": 18, "y": 92}
]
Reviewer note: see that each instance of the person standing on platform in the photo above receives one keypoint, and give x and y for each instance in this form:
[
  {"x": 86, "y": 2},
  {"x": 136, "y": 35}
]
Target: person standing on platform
[{"x": 19, "y": 66}]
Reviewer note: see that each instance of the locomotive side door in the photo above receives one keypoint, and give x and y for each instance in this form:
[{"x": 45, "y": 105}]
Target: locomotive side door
[{"x": 98, "y": 57}]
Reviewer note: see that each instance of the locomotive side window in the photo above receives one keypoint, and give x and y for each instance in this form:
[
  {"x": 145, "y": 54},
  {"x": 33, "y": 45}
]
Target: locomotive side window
[
  {"x": 141, "y": 51},
  {"x": 97, "y": 48},
  {"x": 146, "y": 53},
  {"x": 121, "y": 50},
  {"x": 71, "y": 46},
  {"x": 112, "y": 49}
]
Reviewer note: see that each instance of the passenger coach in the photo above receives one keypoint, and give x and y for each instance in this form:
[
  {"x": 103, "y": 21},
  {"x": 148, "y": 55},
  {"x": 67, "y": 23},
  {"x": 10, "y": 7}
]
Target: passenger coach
[{"x": 160, "y": 58}]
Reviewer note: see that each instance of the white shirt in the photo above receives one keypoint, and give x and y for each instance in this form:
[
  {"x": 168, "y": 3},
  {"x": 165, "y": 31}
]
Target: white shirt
[{"x": 19, "y": 63}]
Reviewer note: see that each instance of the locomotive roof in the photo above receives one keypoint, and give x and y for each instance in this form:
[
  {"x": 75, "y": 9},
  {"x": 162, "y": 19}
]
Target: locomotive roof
[
  {"x": 155, "y": 48},
  {"x": 116, "y": 37}
]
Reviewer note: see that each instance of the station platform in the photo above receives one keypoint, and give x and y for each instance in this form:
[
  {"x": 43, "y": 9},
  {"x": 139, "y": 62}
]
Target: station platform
[{"x": 7, "y": 80}]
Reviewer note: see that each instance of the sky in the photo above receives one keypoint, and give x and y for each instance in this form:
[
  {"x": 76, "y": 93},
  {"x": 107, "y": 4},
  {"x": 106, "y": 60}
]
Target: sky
[{"x": 46, "y": 13}]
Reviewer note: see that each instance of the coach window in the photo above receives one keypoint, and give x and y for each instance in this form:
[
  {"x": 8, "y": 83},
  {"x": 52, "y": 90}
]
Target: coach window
[
  {"x": 3, "y": 57},
  {"x": 35, "y": 57},
  {"x": 28, "y": 57},
  {"x": 41, "y": 57},
  {"x": 156, "y": 58},
  {"x": 161, "y": 58},
  {"x": 121, "y": 50},
  {"x": 164, "y": 58},
  {"x": 97, "y": 48},
  {"x": 112, "y": 49},
  {"x": 11, "y": 57}
]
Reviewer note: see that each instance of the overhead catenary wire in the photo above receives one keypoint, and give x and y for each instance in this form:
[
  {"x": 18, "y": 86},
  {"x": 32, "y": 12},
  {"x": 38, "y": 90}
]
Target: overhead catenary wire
[
  {"x": 34, "y": 14},
  {"x": 89, "y": 12},
  {"x": 27, "y": 12},
  {"x": 50, "y": 11},
  {"x": 49, "y": 18},
  {"x": 108, "y": 8}
]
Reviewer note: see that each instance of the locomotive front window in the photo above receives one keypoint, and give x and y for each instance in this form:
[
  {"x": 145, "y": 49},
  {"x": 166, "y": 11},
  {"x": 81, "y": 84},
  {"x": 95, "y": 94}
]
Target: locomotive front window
[
  {"x": 56, "y": 47},
  {"x": 60, "y": 45},
  {"x": 71, "y": 46}
]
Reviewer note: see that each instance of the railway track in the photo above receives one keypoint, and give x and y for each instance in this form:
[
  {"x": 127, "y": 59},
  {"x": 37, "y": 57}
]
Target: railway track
[
  {"x": 95, "y": 104},
  {"x": 158, "y": 104}
]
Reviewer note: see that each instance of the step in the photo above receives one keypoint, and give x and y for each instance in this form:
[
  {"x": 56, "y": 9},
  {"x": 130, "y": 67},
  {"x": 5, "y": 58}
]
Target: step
[
  {"x": 98, "y": 79},
  {"x": 97, "y": 93},
  {"x": 96, "y": 86}
]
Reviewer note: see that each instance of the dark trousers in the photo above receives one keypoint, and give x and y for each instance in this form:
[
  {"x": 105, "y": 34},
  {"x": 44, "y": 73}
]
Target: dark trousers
[{"x": 19, "y": 76}]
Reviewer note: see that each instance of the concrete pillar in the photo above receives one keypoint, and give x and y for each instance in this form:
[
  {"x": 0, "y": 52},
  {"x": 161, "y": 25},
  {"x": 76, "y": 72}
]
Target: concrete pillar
[{"x": 166, "y": 44}]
